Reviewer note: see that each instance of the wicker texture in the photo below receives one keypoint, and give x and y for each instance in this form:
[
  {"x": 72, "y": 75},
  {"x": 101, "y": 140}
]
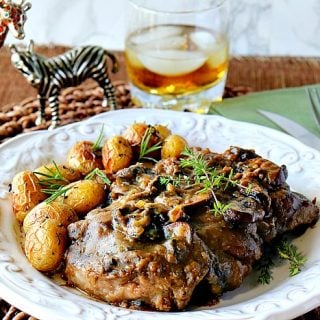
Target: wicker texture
[
  {"x": 76, "y": 104},
  {"x": 246, "y": 74}
]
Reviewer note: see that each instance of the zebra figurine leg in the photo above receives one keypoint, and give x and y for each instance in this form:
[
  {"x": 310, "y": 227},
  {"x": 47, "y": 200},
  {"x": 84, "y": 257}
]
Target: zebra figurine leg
[
  {"x": 109, "y": 92},
  {"x": 41, "y": 115},
  {"x": 54, "y": 108}
]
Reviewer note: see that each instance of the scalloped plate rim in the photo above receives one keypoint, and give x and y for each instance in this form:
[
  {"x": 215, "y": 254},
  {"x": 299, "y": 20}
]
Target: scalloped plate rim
[{"x": 147, "y": 113}]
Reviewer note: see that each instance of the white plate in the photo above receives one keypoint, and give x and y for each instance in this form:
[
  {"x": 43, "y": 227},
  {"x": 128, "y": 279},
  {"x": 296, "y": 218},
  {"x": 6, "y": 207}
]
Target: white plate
[{"x": 36, "y": 294}]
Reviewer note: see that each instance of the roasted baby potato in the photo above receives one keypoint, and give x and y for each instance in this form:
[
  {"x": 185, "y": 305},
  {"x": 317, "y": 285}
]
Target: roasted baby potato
[
  {"x": 173, "y": 146},
  {"x": 27, "y": 193},
  {"x": 57, "y": 210},
  {"x": 135, "y": 132},
  {"x": 68, "y": 174},
  {"x": 45, "y": 245},
  {"x": 82, "y": 157},
  {"x": 116, "y": 154},
  {"x": 163, "y": 131},
  {"x": 83, "y": 196},
  {"x": 140, "y": 134}
]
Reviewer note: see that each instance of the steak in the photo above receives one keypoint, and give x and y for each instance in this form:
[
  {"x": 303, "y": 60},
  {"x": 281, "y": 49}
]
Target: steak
[{"x": 158, "y": 244}]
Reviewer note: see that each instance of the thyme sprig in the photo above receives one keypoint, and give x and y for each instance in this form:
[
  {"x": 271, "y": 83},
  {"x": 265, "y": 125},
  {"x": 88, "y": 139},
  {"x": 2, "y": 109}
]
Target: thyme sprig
[
  {"x": 97, "y": 172},
  {"x": 97, "y": 145},
  {"x": 209, "y": 177},
  {"x": 288, "y": 251},
  {"x": 284, "y": 250},
  {"x": 265, "y": 265},
  {"x": 177, "y": 181},
  {"x": 145, "y": 149}
]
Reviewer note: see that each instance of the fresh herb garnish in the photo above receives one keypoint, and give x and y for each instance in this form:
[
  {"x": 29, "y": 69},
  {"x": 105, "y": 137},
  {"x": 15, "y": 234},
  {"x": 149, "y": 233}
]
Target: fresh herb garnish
[
  {"x": 282, "y": 249},
  {"x": 55, "y": 193},
  {"x": 100, "y": 174},
  {"x": 175, "y": 181},
  {"x": 265, "y": 265},
  {"x": 145, "y": 149},
  {"x": 288, "y": 251},
  {"x": 97, "y": 145},
  {"x": 209, "y": 178},
  {"x": 219, "y": 208},
  {"x": 52, "y": 182},
  {"x": 53, "y": 179}
]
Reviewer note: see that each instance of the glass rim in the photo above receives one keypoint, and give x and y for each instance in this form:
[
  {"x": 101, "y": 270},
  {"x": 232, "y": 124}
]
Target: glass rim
[{"x": 150, "y": 9}]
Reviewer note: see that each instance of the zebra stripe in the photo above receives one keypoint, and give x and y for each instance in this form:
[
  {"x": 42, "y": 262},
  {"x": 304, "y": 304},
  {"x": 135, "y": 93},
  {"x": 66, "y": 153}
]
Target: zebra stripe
[{"x": 50, "y": 75}]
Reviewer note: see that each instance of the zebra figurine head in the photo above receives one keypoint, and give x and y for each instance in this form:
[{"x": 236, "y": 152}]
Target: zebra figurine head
[
  {"x": 27, "y": 62},
  {"x": 50, "y": 75}
]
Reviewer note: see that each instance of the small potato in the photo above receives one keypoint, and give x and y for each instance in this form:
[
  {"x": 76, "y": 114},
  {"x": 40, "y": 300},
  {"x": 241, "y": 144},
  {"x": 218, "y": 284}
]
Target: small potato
[
  {"x": 69, "y": 174},
  {"x": 27, "y": 193},
  {"x": 135, "y": 132},
  {"x": 81, "y": 157},
  {"x": 163, "y": 131},
  {"x": 116, "y": 154},
  {"x": 84, "y": 195},
  {"x": 45, "y": 245},
  {"x": 173, "y": 146},
  {"x": 57, "y": 210},
  {"x": 139, "y": 133}
]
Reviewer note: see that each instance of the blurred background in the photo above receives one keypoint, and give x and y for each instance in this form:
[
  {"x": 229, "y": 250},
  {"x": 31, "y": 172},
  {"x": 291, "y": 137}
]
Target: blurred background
[{"x": 258, "y": 27}]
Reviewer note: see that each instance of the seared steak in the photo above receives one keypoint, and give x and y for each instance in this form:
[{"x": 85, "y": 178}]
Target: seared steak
[
  {"x": 158, "y": 241},
  {"x": 107, "y": 265}
]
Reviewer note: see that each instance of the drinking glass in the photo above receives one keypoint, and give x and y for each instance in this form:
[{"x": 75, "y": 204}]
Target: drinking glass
[{"x": 177, "y": 52}]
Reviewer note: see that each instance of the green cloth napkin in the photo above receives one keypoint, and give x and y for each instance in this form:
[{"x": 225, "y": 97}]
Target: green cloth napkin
[{"x": 292, "y": 103}]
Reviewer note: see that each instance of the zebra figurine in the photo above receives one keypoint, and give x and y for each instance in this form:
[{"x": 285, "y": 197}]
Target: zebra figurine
[{"x": 50, "y": 75}]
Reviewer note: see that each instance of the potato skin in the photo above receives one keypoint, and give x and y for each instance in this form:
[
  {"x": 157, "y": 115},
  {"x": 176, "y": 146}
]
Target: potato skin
[
  {"x": 83, "y": 196},
  {"x": 57, "y": 210},
  {"x": 45, "y": 245},
  {"x": 116, "y": 154},
  {"x": 163, "y": 131},
  {"x": 173, "y": 146},
  {"x": 81, "y": 157},
  {"x": 27, "y": 193},
  {"x": 135, "y": 132},
  {"x": 68, "y": 173}
]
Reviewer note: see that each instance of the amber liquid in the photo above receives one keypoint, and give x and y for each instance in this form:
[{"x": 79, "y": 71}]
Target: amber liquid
[{"x": 175, "y": 59}]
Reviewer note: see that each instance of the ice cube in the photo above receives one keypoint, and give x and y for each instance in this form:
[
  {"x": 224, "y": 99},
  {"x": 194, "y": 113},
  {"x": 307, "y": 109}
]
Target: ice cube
[
  {"x": 133, "y": 58},
  {"x": 172, "y": 62},
  {"x": 155, "y": 34},
  {"x": 203, "y": 40},
  {"x": 218, "y": 57},
  {"x": 172, "y": 42},
  {"x": 215, "y": 46}
]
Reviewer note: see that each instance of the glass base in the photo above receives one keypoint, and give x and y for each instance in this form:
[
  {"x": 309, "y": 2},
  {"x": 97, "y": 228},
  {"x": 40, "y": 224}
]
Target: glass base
[{"x": 198, "y": 102}]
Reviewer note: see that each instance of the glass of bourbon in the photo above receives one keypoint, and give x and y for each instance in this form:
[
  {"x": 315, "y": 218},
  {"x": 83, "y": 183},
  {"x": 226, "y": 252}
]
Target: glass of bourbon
[{"x": 177, "y": 53}]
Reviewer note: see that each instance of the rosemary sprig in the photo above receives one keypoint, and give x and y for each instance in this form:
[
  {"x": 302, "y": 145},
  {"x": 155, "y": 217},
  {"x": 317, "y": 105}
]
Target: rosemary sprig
[
  {"x": 97, "y": 145},
  {"x": 100, "y": 174},
  {"x": 52, "y": 178},
  {"x": 288, "y": 251},
  {"x": 51, "y": 181},
  {"x": 144, "y": 147},
  {"x": 55, "y": 193}
]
